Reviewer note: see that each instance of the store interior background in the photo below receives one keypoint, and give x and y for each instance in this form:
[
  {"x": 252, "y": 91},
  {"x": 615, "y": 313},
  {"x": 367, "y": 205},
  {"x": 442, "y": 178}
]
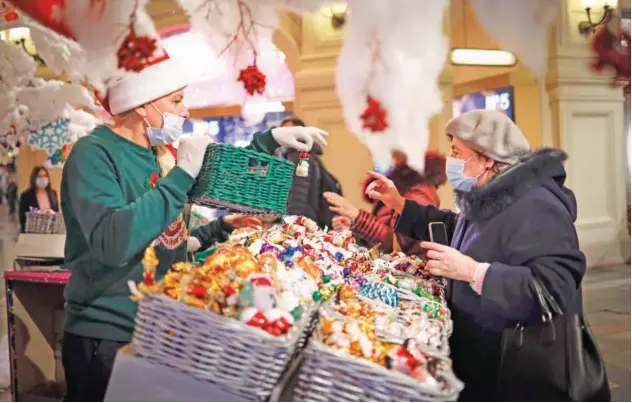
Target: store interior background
[{"x": 571, "y": 108}]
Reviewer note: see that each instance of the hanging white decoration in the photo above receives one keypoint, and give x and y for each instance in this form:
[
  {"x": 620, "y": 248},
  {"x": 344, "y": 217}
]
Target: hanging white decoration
[{"x": 393, "y": 52}]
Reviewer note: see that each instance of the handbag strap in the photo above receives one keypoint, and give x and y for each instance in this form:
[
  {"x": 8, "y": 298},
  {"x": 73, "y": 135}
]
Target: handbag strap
[{"x": 548, "y": 304}]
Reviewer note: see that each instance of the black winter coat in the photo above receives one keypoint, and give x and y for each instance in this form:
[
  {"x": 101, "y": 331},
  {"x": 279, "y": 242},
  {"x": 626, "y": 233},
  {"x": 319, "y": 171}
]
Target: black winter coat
[
  {"x": 522, "y": 223},
  {"x": 306, "y": 195}
]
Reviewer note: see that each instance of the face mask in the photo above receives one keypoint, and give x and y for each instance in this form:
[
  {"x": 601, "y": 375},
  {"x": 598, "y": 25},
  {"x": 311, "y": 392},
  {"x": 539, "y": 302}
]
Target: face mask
[
  {"x": 454, "y": 169},
  {"x": 41, "y": 182},
  {"x": 170, "y": 131}
]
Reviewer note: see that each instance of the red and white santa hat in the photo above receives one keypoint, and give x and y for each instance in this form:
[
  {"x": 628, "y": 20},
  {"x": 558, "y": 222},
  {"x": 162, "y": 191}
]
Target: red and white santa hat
[{"x": 158, "y": 79}]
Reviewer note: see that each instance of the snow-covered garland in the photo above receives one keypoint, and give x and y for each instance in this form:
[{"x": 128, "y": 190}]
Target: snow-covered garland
[{"x": 387, "y": 71}]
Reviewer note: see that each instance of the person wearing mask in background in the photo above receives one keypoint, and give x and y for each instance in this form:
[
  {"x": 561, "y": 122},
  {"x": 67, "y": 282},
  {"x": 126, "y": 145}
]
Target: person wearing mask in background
[
  {"x": 121, "y": 194},
  {"x": 376, "y": 227},
  {"x": 40, "y": 195},
  {"x": 516, "y": 224},
  {"x": 305, "y": 198}
]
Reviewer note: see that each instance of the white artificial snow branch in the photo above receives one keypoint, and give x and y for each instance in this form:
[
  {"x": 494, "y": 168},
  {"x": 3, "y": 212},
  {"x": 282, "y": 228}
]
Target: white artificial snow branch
[
  {"x": 393, "y": 51},
  {"x": 519, "y": 26}
]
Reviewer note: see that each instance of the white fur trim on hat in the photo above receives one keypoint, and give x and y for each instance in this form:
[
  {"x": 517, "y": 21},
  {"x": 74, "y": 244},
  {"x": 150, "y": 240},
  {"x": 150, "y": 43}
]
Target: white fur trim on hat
[
  {"x": 491, "y": 133},
  {"x": 152, "y": 83}
]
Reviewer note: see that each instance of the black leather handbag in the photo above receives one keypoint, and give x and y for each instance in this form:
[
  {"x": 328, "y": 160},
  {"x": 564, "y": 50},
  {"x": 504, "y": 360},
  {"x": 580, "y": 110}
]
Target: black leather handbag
[{"x": 555, "y": 360}]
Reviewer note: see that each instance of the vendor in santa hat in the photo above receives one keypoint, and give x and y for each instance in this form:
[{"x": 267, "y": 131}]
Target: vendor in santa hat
[{"x": 124, "y": 188}]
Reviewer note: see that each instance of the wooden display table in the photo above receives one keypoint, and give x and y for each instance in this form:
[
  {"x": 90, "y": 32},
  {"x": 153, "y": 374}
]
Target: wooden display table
[{"x": 35, "y": 304}]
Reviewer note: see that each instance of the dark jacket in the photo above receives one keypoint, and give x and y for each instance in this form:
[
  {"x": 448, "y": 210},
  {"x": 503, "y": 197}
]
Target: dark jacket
[
  {"x": 306, "y": 195},
  {"x": 377, "y": 227},
  {"x": 28, "y": 199},
  {"x": 522, "y": 223}
]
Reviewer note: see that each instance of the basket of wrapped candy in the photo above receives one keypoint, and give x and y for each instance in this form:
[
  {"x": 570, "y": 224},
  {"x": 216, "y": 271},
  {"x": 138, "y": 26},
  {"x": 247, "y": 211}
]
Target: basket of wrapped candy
[
  {"x": 353, "y": 356},
  {"x": 242, "y": 180},
  {"x": 238, "y": 318},
  {"x": 44, "y": 223}
]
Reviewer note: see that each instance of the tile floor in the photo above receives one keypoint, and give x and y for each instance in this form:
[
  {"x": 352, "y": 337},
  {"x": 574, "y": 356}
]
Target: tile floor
[{"x": 606, "y": 303}]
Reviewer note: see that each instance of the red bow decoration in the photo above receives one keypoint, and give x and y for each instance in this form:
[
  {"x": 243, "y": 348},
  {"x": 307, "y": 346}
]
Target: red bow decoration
[
  {"x": 49, "y": 13},
  {"x": 608, "y": 54}
]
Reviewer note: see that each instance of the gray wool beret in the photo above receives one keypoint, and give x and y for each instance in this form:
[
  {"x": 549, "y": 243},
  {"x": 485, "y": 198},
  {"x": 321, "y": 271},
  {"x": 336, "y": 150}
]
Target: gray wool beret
[{"x": 491, "y": 133}]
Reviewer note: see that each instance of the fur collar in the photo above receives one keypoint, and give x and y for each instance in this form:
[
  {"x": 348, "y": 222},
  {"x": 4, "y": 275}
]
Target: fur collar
[{"x": 531, "y": 171}]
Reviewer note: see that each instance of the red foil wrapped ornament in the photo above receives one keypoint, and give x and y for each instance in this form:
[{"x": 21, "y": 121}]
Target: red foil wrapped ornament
[
  {"x": 253, "y": 79},
  {"x": 136, "y": 52},
  {"x": 374, "y": 117},
  {"x": 259, "y": 320},
  {"x": 401, "y": 360}
]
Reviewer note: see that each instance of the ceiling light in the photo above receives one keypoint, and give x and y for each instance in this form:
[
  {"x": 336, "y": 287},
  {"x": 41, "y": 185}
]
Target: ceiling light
[{"x": 482, "y": 57}]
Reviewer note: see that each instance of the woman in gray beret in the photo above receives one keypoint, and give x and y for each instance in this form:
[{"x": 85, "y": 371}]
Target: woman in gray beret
[{"x": 516, "y": 222}]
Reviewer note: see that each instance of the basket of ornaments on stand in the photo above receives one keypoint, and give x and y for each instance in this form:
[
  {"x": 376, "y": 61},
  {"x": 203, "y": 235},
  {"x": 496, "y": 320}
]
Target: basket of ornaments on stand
[{"x": 241, "y": 318}]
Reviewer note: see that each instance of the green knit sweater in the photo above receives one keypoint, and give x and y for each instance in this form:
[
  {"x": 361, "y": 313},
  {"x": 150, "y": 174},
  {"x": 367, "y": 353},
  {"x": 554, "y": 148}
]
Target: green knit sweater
[{"x": 112, "y": 214}]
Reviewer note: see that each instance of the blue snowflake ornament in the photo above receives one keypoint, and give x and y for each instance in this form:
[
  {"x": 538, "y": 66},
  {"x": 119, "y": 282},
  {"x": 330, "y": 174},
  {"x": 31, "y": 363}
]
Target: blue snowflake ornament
[{"x": 51, "y": 137}]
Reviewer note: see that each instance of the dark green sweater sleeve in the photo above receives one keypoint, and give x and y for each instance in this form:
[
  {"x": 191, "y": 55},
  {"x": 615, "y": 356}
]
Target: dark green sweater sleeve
[
  {"x": 115, "y": 229},
  {"x": 213, "y": 232},
  {"x": 264, "y": 142}
]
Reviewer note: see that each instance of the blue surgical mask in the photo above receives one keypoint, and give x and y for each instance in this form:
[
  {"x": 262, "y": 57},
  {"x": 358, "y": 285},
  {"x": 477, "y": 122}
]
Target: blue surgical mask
[
  {"x": 169, "y": 133},
  {"x": 454, "y": 169}
]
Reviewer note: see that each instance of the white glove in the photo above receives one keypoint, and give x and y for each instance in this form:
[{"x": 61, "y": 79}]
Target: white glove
[
  {"x": 191, "y": 154},
  {"x": 290, "y": 136},
  {"x": 193, "y": 244}
]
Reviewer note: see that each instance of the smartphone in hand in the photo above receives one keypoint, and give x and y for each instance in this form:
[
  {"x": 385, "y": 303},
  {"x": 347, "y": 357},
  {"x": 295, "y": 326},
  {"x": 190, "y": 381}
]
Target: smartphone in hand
[{"x": 438, "y": 233}]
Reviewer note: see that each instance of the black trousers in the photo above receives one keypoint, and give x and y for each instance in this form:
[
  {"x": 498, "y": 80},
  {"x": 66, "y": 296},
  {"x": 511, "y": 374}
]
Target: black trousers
[{"x": 88, "y": 365}]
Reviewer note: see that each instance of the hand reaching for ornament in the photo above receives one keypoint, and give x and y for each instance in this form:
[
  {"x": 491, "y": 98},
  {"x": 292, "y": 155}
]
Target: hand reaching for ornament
[
  {"x": 340, "y": 223},
  {"x": 237, "y": 221},
  {"x": 298, "y": 137},
  {"x": 243, "y": 221},
  {"x": 342, "y": 206},
  {"x": 384, "y": 190}
]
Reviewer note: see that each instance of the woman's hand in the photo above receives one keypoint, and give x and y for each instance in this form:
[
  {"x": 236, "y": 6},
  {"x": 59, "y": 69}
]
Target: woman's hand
[
  {"x": 341, "y": 223},
  {"x": 384, "y": 190},
  {"x": 449, "y": 262},
  {"x": 243, "y": 221},
  {"x": 342, "y": 206}
]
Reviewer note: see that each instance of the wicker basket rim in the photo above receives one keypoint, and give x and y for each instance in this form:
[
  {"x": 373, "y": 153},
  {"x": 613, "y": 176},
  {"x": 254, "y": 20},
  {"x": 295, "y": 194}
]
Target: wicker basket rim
[
  {"x": 236, "y": 323},
  {"x": 316, "y": 345}
]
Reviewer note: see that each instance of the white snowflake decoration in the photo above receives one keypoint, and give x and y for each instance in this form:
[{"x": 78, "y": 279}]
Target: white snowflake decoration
[{"x": 51, "y": 136}]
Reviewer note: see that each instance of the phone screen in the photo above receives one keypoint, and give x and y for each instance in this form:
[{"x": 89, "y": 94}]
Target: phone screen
[{"x": 438, "y": 233}]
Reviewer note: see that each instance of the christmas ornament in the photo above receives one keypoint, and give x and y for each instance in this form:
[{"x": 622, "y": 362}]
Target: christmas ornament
[
  {"x": 253, "y": 79},
  {"x": 607, "y": 53},
  {"x": 302, "y": 169},
  {"x": 374, "y": 117},
  {"x": 51, "y": 137},
  {"x": 136, "y": 52},
  {"x": 7, "y": 11}
]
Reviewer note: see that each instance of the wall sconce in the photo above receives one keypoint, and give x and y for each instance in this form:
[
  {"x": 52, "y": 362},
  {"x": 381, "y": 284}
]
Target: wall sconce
[
  {"x": 21, "y": 36},
  {"x": 337, "y": 14},
  {"x": 588, "y": 27},
  {"x": 482, "y": 57}
]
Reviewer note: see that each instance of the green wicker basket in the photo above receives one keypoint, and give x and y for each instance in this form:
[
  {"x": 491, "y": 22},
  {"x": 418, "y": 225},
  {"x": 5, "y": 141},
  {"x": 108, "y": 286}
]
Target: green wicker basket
[{"x": 242, "y": 180}]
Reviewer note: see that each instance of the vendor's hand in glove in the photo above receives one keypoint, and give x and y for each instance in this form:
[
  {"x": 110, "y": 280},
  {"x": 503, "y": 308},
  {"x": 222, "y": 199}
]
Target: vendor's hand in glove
[
  {"x": 298, "y": 137},
  {"x": 449, "y": 262},
  {"x": 193, "y": 244},
  {"x": 342, "y": 206},
  {"x": 243, "y": 221},
  {"x": 191, "y": 152},
  {"x": 384, "y": 190},
  {"x": 341, "y": 223}
]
